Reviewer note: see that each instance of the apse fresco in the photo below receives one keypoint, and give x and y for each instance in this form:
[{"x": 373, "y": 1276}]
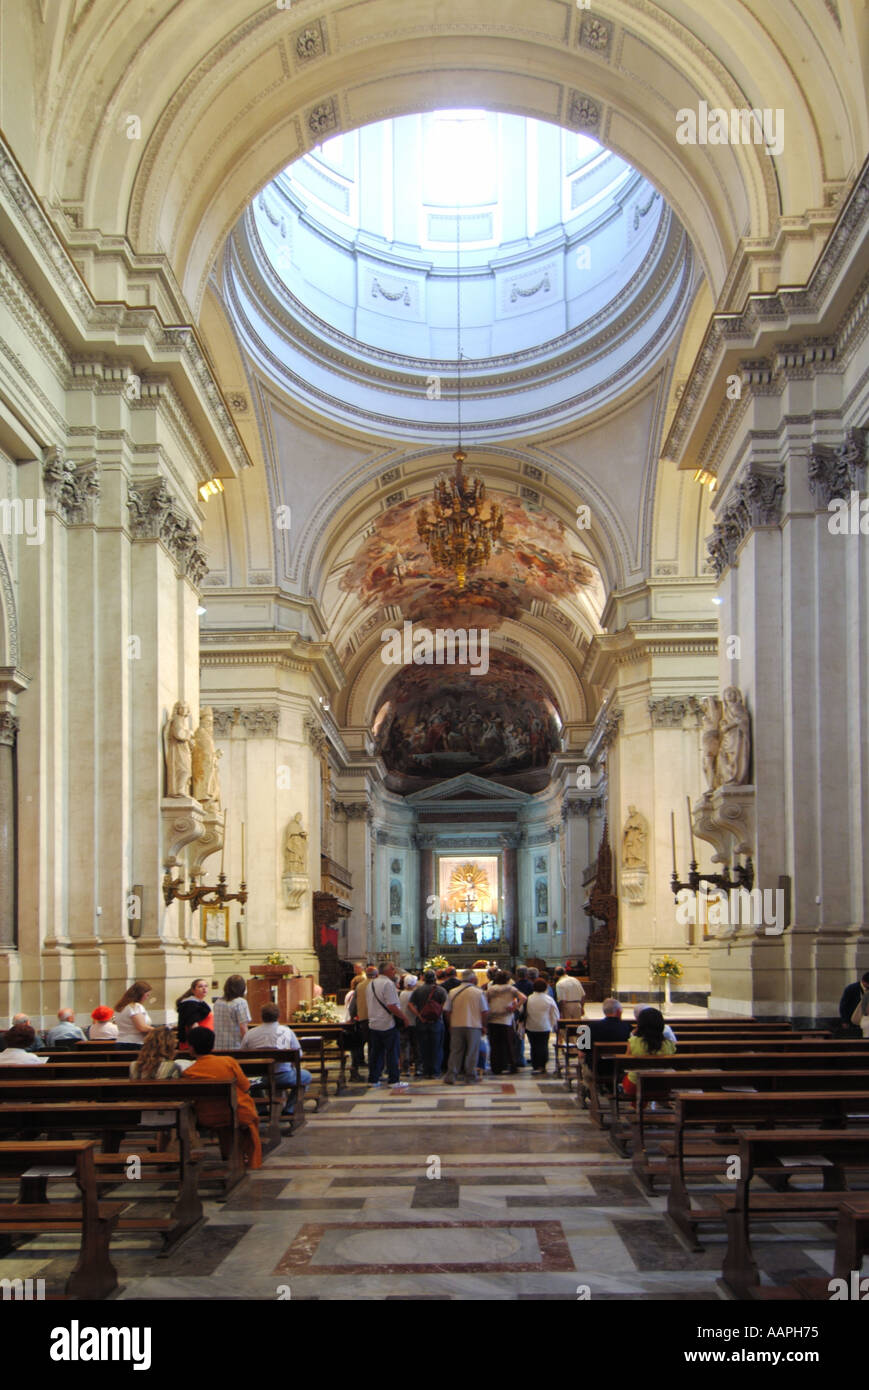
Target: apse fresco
[
  {"x": 533, "y": 561},
  {"x": 437, "y": 722}
]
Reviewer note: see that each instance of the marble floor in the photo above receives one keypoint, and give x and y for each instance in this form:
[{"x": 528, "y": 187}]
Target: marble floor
[{"x": 499, "y": 1190}]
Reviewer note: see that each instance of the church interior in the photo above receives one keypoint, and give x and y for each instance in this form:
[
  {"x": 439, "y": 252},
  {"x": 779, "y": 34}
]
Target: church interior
[{"x": 433, "y": 533}]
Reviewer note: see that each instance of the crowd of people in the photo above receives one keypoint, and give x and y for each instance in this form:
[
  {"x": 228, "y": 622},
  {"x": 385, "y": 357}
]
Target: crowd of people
[{"x": 455, "y": 1026}]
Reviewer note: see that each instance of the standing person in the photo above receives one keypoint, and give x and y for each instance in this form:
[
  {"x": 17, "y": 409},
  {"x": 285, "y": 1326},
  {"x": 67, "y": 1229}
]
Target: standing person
[
  {"x": 408, "y": 1043},
  {"x": 426, "y": 1003},
  {"x": 503, "y": 999},
  {"x": 541, "y": 1018},
  {"x": 213, "y": 1113},
  {"x": 647, "y": 1041},
  {"x": 468, "y": 1010},
  {"x": 131, "y": 1016},
  {"x": 360, "y": 996},
  {"x": 569, "y": 994},
  {"x": 231, "y": 1015},
  {"x": 194, "y": 1011},
  {"x": 383, "y": 1043}
]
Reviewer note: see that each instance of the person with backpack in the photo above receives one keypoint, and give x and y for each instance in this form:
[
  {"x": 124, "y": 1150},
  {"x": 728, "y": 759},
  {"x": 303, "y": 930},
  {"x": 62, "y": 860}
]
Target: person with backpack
[
  {"x": 426, "y": 1004},
  {"x": 468, "y": 1012}
]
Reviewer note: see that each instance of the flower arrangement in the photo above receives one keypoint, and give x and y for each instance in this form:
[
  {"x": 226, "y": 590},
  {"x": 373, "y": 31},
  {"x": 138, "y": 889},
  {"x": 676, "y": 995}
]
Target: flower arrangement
[
  {"x": 666, "y": 968},
  {"x": 276, "y": 959},
  {"x": 317, "y": 1011},
  {"x": 436, "y": 963}
]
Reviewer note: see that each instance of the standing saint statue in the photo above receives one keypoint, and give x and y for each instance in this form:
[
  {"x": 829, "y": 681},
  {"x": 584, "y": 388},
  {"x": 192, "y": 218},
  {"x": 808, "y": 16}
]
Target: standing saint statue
[
  {"x": 710, "y": 740},
  {"x": 295, "y": 847},
  {"x": 634, "y": 835},
  {"x": 734, "y": 753},
  {"x": 177, "y": 751},
  {"x": 206, "y": 775}
]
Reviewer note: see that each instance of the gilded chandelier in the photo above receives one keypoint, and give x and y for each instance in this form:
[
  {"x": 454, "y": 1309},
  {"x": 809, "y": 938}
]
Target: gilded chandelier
[{"x": 458, "y": 535}]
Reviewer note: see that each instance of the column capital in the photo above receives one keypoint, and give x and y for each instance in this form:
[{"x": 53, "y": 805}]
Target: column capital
[{"x": 8, "y": 728}]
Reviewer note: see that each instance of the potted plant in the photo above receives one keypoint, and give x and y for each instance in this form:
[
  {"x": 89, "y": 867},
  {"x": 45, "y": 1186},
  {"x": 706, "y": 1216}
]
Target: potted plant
[
  {"x": 275, "y": 966},
  {"x": 666, "y": 969}
]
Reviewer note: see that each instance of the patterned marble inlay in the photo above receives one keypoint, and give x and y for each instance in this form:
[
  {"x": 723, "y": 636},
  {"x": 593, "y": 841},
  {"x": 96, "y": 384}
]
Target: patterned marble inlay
[{"x": 474, "y": 1247}]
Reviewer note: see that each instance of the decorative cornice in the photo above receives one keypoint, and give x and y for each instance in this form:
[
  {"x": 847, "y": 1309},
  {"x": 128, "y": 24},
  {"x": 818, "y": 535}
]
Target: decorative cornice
[
  {"x": 352, "y": 810},
  {"x": 670, "y": 711},
  {"x": 834, "y": 473},
  {"x": 71, "y": 490},
  {"x": 755, "y": 501},
  {"x": 259, "y": 722},
  {"x": 8, "y": 728},
  {"x": 580, "y": 806},
  {"x": 154, "y": 516}
]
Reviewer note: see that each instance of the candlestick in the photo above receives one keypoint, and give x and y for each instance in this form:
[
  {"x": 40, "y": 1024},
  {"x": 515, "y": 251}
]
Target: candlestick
[
  {"x": 242, "y": 852},
  {"x": 673, "y": 838},
  {"x": 223, "y": 841},
  {"x": 691, "y": 831}
]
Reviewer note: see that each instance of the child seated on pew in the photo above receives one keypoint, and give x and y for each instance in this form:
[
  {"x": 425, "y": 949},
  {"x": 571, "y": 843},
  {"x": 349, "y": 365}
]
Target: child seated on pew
[
  {"x": 213, "y": 1113},
  {"x": 646, "y": 1041}
]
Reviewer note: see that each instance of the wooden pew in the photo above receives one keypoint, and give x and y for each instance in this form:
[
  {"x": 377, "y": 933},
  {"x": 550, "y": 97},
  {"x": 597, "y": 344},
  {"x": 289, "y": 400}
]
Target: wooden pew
[
  {"x": 706, "y": 1049},
  {"x": 254, "y": 1064},
  {"x": 658, "y": 1087},
  {"x": 852, "y": 1235},
  {"x": 710, "y": 1117},
  {"x": 94, "y": 1275},
  {"x": 141, "y": 1095},
  {"x": 764, "y": 1149}
]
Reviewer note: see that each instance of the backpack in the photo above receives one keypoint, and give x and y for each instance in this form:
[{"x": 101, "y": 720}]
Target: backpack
[{"x": 432, "y": 1008}]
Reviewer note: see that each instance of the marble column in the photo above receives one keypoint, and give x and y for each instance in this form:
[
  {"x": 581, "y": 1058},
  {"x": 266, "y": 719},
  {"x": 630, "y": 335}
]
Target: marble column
[
  {"x": 426, "y": 889},
  {"x": 8, "y": 844},
  {"x": 511, "y": 899}
]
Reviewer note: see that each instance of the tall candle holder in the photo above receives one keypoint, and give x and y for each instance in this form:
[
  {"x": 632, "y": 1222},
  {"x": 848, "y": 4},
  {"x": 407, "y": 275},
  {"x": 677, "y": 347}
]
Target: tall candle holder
[{"x": 743, "y": 873}]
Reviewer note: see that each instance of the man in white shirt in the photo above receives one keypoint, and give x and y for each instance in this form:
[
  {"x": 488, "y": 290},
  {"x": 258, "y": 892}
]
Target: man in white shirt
[
  {"x": 271, "y": 1034},
  {"x": 384, "y": 1007},
  {"x": 467, "y": 1008},
  {"x": 15, "y": 1054},
  {"x": 569, "y": 994}
]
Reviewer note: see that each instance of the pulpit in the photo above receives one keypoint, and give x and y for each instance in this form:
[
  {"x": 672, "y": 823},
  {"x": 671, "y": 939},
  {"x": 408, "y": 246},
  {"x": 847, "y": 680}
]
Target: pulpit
[{"x": 278, "y": 984}]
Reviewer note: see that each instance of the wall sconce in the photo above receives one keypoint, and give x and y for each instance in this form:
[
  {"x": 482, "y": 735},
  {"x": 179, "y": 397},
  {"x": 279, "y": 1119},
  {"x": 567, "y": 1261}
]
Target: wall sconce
[
  {"x": 702, "y": 475},
  {"x": 210, "y": 489}
]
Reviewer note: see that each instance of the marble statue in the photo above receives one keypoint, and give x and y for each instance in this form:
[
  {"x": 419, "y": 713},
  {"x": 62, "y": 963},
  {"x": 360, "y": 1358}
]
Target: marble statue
[
  {"x": 206, "y": 775},
  {"x": 177, "y": 751},
  {"x": 296, "y": 847},
  {"x": 734, "y": 753},
  {"x": 634, "y": 841},
  {"x": 710, "y": 740}
]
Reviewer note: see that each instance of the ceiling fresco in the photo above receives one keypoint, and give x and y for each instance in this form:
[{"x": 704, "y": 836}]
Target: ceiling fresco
[
  {"x": 534, "y": 560},
  {"x": 436, "y": 722}
]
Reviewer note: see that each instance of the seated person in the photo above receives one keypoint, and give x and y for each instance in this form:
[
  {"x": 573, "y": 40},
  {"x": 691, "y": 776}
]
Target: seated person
[
  {"x": 211, "y": 1066},
  {"x": 647, "y": 1041},
  {"x": 611, "y": 1028},
  {"x": 668, "y": 1031},
  {"x": 66, "y": 1032},
  {"x": 20, "y": 1039},
  {"x": 21, "y": 1021},
  {"x": 103, "y": 1027},
  {"x": 156, "y": 1058},
  {"x": 271, "y": 1034}
]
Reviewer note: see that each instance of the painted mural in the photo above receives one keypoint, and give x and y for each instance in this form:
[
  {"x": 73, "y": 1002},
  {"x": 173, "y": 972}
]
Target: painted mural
[
  {"x": 534, "y": 561},
  {"x": 439, "y": 722}
]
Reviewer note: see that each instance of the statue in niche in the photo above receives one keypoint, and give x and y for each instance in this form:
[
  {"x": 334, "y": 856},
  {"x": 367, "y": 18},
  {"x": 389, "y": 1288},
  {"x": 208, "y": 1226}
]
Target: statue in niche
[
  {"x": 395, "y": 899},
  {"x": 206, "y": 775},
  {"x": 177, "y": 741},
  {"x": 710, "y": 740},
  {"x": 734, "y": 753},
  {"x": 634, "y": 841},
  {"x": 296, "y": 847},
  {"x": 541, "y": 898}
]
